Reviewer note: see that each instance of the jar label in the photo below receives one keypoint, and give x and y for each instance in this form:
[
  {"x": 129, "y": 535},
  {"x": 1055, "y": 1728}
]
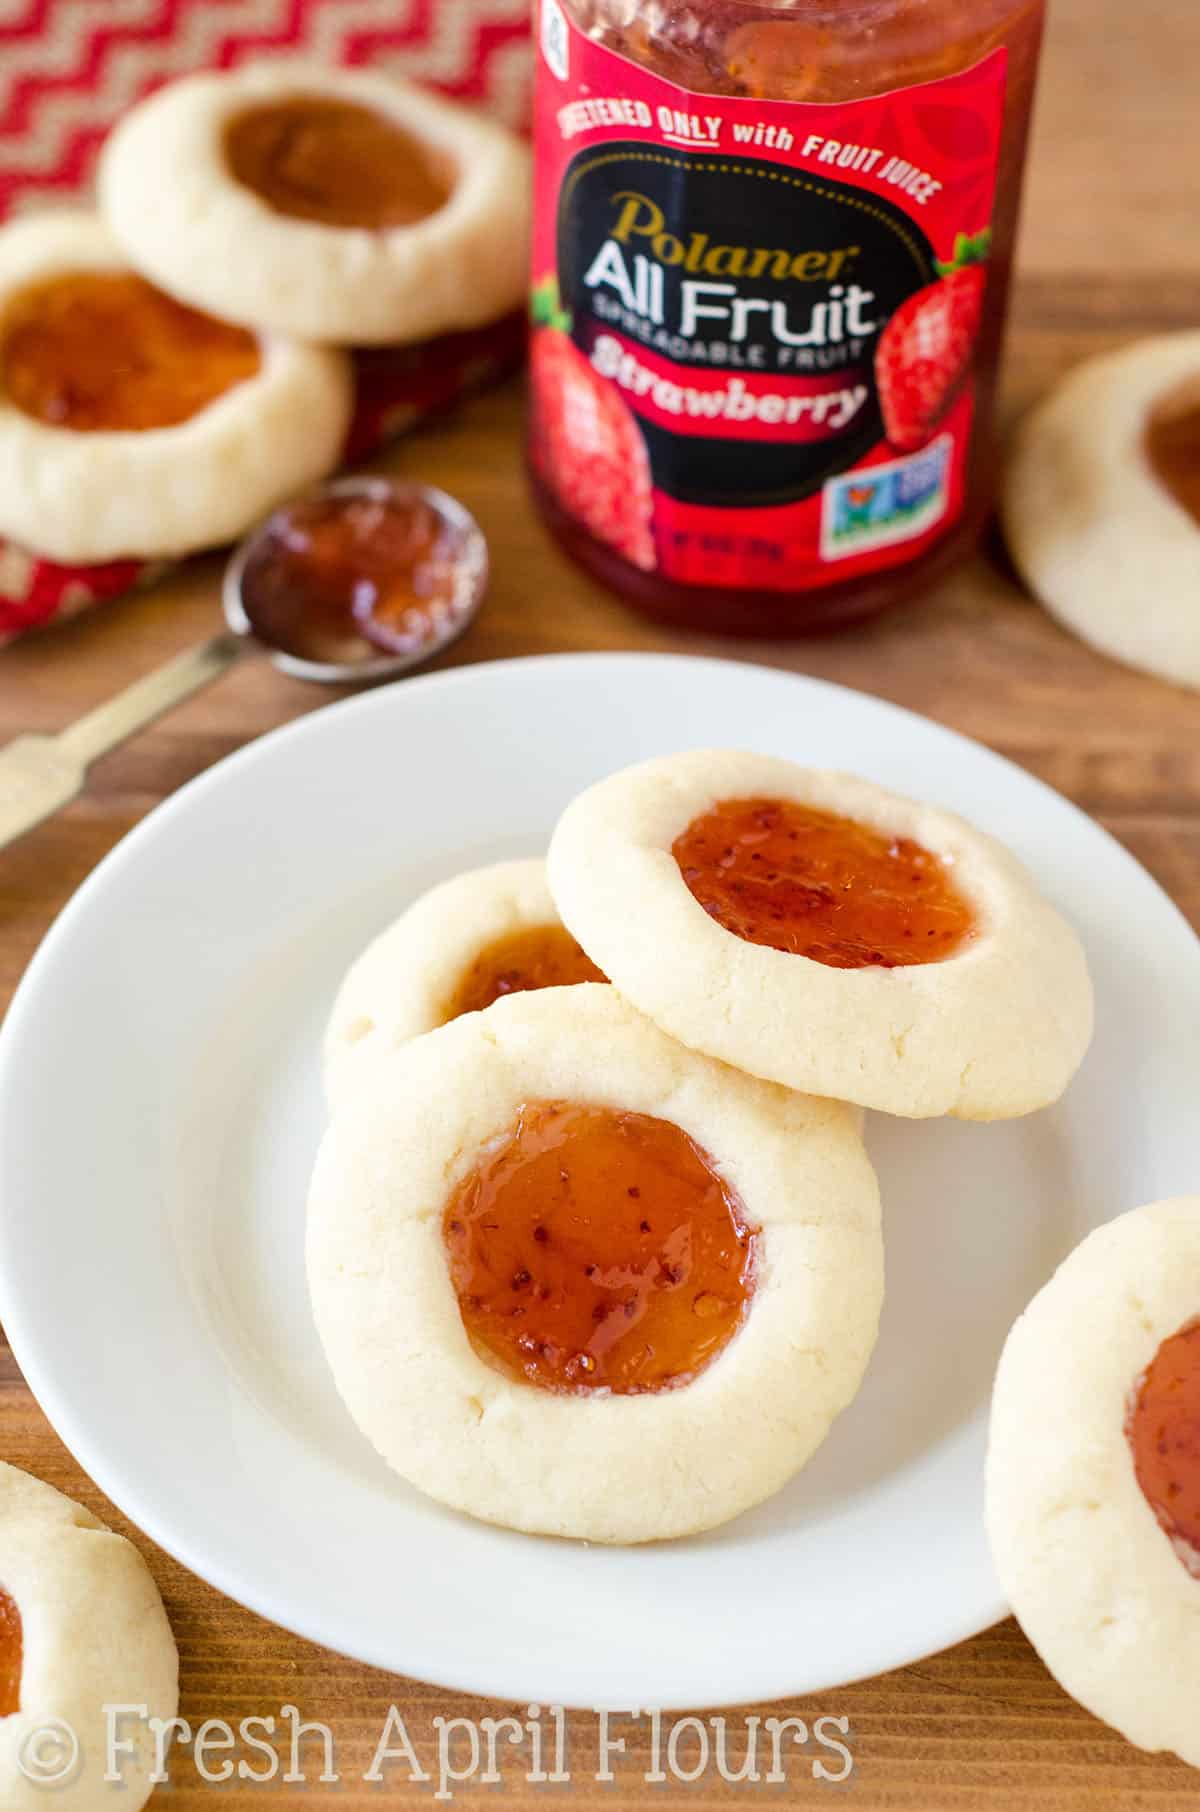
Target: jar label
[{"x": 755, "y": 322}]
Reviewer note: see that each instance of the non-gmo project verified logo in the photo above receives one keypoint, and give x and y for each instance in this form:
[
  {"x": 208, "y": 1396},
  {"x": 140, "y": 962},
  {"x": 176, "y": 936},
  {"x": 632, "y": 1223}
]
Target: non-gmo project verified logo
[{"x": 877, "y": 506}]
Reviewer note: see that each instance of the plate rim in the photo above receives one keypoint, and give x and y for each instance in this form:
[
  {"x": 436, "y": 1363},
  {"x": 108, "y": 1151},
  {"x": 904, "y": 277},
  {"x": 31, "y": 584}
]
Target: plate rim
[{"x": 500, "y": 1680}]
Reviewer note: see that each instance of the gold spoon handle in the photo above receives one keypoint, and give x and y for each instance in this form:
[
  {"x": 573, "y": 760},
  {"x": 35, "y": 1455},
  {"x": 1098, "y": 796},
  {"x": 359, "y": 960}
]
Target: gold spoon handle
[
  {"x": 38, "y": 774},
  {"x": 110, "y": 723}
]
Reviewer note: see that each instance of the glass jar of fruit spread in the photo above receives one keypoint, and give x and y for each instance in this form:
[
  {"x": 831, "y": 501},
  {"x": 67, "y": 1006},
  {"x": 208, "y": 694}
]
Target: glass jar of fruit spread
[{"x": 772, "y": 247}]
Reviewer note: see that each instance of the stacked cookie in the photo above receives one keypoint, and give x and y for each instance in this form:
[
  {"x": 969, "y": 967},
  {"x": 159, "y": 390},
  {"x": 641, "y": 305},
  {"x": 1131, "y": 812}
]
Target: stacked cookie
[
  {"x": 594, "y": 1244},
  {"x": 175, "y": 365}
]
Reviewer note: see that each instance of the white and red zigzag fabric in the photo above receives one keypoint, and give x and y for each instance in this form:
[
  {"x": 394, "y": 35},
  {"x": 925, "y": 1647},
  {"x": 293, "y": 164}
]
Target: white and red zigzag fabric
[{"x": 70, "y": 68}]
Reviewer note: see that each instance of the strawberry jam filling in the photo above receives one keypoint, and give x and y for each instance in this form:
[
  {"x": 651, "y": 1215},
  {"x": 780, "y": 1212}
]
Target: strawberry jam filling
[
  {"x": 544, "y": 956},
  {"x": 814, "y": 884},
  {"x": 1163, "y": 1427},
  {"x": 11, "y": 1655},
  {"x": 1173, "y": 447},
  {"x": 105, "y": 350},
  {"x": 597, "y": 1250},
  {"x": 336, "y": 163}
]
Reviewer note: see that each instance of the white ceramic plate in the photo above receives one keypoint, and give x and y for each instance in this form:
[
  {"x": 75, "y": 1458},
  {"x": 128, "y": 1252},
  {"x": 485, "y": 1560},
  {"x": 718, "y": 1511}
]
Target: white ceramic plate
[{"x": 160, "y": 1108}]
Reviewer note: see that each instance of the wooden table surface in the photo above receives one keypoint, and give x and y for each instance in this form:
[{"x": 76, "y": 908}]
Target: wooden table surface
[{"x": 1110, "y": 249}]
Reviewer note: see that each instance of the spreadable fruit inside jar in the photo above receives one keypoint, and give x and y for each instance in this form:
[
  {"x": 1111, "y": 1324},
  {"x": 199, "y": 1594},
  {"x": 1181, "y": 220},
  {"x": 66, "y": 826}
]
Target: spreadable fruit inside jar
[{"x": 772, "y": 248}]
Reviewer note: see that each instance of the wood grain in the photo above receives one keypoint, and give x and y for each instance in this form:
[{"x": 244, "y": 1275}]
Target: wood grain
[{"x": 1110, "y": 250}]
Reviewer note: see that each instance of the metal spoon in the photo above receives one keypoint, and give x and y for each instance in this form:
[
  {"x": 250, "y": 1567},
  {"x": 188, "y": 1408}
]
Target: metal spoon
[{"x": 40, "y": 774}]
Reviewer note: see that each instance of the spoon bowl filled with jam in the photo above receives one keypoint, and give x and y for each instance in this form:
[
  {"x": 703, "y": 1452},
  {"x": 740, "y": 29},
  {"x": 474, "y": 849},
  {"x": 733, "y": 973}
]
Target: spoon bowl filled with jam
[{"x": 359, "y": 579}]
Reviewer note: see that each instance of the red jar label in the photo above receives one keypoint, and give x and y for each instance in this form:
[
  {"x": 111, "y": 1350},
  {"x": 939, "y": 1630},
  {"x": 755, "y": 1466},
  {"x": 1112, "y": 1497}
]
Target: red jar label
[{"x": 755, "y": 321}]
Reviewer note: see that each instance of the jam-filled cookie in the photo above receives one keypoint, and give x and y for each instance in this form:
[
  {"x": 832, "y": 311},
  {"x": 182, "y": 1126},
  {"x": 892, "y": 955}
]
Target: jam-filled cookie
[
  {"x": 82, "y": 1628},
  {"x": 1093, "y": 1474},
  {"x": 131, "y": 426},
  {"x": 489, "y": 932},
  {"x": 818, "y": 931},
  {"x": 573, "y": 1278},
  {"x": 338, "y": 205},
  {"x": 1102, "y": 504}
]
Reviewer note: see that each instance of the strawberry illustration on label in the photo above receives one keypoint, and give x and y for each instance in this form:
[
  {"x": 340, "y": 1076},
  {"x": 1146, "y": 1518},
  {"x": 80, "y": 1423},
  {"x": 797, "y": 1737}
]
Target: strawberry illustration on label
[
  {"x": 924, "y": 352},
  {"x": 586, "y": 445}
]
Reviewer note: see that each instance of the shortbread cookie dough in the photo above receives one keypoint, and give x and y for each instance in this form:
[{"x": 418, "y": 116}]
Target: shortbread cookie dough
[
  {"x": 133, "y": 427},
  {"x": 489, "y": 932},
  {"x": 1102, "y": 504},
  {"x": 336, "y": 205},
  {"x": 1093, "y": 1474},
  {"x": 573, "y": 1278},
  {"x": 82, "y": 1627},
  {"x": 813, "y": 929}
]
